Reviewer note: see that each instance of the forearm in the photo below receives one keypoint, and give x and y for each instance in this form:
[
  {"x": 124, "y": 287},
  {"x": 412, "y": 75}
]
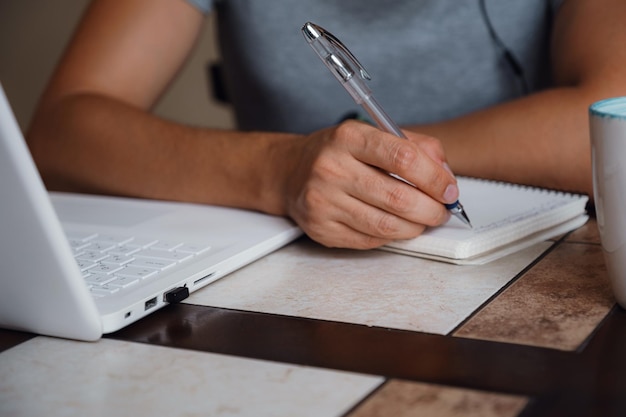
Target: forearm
[
  {"x": 90, "y": 143},
  {"x": 541, "y": 139}
]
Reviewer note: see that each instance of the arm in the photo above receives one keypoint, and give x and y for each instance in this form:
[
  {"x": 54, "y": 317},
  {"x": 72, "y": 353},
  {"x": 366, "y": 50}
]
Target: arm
[
  {"x": 543, "y": 139},
  {"x": 93, "y": 132}
]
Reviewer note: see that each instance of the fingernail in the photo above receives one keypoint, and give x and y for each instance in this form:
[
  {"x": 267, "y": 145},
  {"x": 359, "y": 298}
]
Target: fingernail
[{"x": 451, "y": 194}]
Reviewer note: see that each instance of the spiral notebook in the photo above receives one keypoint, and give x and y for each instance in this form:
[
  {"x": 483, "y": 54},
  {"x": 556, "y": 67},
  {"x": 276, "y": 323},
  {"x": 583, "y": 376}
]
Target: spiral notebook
[{"x": 506, "y": 218}]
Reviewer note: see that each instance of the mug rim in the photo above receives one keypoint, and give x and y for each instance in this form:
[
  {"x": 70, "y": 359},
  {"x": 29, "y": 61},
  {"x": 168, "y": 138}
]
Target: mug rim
[{"x": 614, "y": 107}]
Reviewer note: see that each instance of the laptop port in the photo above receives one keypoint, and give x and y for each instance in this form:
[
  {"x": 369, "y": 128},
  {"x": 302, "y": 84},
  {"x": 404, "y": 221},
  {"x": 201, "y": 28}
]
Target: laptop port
[{"x": 150, "y": 303}]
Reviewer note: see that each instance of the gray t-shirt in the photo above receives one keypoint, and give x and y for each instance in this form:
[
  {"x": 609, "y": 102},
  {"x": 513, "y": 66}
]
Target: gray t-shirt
[{"x": 430, "y": 60}]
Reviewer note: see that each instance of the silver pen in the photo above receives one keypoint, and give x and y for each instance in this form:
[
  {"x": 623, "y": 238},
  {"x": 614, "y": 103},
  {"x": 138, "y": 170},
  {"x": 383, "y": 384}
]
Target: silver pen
[{"x": 341, "y": 63}]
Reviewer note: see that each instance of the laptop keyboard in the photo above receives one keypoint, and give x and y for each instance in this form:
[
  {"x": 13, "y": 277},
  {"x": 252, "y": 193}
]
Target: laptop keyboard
[{"x": 111, "y": 264}]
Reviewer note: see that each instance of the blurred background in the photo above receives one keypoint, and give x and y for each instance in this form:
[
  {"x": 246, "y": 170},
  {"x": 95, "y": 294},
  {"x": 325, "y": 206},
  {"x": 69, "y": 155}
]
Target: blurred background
[{"x": 33, "y": 35}]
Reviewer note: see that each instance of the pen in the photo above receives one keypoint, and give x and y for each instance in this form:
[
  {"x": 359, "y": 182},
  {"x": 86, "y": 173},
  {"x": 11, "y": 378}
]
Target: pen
[{"x": 341, "y": 62}]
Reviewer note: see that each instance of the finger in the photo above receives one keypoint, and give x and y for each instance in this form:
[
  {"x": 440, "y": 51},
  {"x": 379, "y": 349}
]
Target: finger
[
  {"x": 395, "y": 197},
  {"x": 316, "y": 211},
  {"x": 407, "y": 160},
  {"x": 344, "y": 236},
  {"x": 333, "y": 233},
  {"x": 375, "y": 222},
  {"x": 368, "y": 226},
  {"x": 378, "y": 189}
]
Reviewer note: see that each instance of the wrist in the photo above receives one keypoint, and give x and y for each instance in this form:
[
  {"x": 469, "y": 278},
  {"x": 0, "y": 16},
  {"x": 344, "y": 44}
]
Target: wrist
[{"x": 277, "y": 170}]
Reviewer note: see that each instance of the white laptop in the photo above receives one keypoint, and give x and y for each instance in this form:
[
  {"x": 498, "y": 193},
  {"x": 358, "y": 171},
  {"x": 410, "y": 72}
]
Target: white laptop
[{"x": 77, "y": 266}]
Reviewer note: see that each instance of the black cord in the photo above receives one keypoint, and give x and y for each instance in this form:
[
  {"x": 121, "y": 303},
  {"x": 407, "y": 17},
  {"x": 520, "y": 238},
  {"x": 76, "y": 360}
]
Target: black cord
[{"x": 509, "y": 57}]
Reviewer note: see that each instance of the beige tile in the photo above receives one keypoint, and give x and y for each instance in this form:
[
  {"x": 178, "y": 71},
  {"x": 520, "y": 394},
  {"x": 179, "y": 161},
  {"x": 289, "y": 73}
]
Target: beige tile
[
  {"x": 557, "y": 304},
  {"x": 54, "y": 377},
  {"x": 372, "y": 288},
  {"x": 401, "y": 398}
]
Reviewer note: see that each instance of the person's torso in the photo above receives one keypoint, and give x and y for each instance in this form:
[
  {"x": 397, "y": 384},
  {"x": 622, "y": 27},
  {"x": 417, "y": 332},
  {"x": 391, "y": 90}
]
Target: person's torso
[{"x": 429, "y": 60}]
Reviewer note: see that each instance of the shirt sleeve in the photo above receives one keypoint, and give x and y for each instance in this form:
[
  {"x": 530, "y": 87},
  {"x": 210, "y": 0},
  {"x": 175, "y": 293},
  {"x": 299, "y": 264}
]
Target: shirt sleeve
[{"x": 203, "y": 5}]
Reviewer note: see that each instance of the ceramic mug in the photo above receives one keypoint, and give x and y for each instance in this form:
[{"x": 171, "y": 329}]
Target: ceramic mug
[{"x": 607, "y": 122}]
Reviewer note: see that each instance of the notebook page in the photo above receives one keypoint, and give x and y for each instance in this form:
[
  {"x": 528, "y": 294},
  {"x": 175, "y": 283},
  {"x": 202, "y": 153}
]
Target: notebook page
[{"x": 501, "y": 214}]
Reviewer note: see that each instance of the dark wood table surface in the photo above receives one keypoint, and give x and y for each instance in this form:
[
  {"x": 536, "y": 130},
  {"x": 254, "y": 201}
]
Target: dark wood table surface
[{"x": 487, "y": 352}]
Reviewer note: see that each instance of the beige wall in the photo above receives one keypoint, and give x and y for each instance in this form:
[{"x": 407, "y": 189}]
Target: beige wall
[{"x": 33, "y": 34}]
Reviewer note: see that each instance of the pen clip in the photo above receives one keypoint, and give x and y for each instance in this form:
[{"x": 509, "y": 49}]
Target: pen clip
[{"x": 312, "y": 32}]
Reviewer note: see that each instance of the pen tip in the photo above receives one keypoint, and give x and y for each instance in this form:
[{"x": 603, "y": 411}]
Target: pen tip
[
  {"x": 466, "y": 219},
  {"x": 459, "y": 212}
]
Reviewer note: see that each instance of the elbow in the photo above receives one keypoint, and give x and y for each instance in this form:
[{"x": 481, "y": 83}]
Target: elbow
[{"x": 47, "y": 153}]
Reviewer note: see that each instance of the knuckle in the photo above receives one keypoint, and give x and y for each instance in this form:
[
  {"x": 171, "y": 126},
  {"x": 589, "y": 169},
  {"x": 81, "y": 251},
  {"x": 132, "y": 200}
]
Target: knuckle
[
  {"x": 311, "y": 199},
  {"x": 369, "y": 242},
  {"x": 436, "y": 216},
  {"x": 346, "y": 130},
  {"x": 384, "y": 225},
  {"x": 324, "y": 169},
  {"x": 438, "y": 179},
  {"x": 399, "y": 199},
  {"x": 403, "y": 156}
]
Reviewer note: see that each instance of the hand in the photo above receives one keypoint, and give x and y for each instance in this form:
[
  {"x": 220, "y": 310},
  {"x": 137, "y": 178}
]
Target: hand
[{"x": 341, "y": 195}]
